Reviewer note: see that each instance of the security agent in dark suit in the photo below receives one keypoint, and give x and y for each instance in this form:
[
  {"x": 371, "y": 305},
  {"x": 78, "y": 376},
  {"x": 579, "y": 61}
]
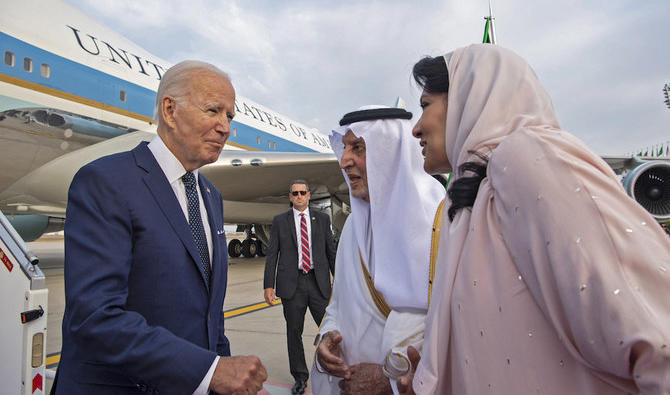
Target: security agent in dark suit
[
  {"x": 145, "y": 257},
  {"x": 301, "y": 257}
]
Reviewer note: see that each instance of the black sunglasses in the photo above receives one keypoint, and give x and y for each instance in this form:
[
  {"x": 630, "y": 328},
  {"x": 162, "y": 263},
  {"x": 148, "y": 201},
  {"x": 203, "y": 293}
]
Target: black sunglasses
[{"x": 295, "y": 193}]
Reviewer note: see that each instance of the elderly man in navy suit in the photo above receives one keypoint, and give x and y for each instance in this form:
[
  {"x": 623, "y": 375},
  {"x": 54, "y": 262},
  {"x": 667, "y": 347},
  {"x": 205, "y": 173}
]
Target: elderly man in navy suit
[
  {"x": 145, "y": 257},
  {"x": 300, "y": 260}
]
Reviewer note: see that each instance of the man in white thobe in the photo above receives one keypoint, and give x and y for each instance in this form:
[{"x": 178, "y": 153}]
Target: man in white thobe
[{"x": 381, "y": 285}]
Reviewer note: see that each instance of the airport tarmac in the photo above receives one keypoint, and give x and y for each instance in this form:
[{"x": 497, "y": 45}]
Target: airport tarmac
[{"x": 252, "y": 326}]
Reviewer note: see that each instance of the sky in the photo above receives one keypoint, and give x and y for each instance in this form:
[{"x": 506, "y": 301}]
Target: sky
[{"x": 604, "y": 63}]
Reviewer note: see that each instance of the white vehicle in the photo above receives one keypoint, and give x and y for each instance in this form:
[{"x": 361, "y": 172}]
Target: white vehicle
[{"x": 24, "y": 316}]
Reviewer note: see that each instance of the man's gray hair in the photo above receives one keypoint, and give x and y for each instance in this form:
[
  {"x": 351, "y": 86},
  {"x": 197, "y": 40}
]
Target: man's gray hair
[
  {"x": 175, "y": 81},
  {"x": 298, "y": 181}
]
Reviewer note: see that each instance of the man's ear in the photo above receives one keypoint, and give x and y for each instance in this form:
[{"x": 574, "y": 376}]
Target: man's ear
[{"x": 168, "y": 108}]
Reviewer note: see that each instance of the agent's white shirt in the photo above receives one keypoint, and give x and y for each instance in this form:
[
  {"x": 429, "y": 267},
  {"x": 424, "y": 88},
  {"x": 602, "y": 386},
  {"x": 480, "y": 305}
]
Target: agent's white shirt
[{"x": 296, "y": 218}]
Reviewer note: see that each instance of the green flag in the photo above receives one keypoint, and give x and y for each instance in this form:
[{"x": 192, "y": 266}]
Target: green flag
[
  {"x": 487, "y": 31},
  {"x": 660, "y": 151},
  {"x": 489, "y": 28}
]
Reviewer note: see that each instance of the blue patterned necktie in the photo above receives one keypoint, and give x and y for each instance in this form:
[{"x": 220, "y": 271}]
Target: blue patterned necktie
[{"x": 195, "y": 222}]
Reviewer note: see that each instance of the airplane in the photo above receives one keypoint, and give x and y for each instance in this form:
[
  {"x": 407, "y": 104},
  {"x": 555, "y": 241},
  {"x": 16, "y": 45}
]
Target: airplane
[{"x": 72, "y": 90}]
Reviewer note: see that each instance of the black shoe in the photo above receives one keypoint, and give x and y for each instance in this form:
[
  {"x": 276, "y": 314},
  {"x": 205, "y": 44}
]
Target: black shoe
[{"x": 299, "y": 387}]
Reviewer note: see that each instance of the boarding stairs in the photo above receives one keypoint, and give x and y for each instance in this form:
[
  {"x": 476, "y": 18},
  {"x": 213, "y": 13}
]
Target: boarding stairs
[{"x": 23, "y": 313}]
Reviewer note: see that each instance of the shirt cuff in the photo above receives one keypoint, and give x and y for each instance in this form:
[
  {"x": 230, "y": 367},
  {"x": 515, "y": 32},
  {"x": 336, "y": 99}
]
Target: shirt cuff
[
  {"x": 203, "y": 388},
  {"x": 394, "y": 386}
]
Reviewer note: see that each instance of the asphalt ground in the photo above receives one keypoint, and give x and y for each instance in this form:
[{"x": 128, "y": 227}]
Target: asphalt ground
[{"x": 253, "y": 327}]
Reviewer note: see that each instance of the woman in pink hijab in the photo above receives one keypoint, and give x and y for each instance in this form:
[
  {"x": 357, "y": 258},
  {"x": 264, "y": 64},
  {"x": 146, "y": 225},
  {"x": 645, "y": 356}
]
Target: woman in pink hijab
[{"x": 550, "y": 279}]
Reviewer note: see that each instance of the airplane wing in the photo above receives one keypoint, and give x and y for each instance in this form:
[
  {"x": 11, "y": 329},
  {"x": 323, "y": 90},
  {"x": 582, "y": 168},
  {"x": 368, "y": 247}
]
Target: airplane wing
[
  {"x": 623, "y": 163},
  {"x": 44, "y": 189},
  {"x": 265, "y": 176},
  {"x": 33, "y": 136},
  {"x": 620, "y": 163},
  {"x": 255, "y": 183}
]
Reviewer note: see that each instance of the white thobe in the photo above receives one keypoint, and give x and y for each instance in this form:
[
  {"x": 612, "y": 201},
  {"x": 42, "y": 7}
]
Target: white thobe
[{"x": 367, "y": 336}]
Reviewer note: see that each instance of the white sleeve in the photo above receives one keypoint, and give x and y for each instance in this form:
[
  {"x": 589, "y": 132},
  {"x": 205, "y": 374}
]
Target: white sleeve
[
  {"x": 329, "y": 322},
  {"x": 203, "y": 388}
]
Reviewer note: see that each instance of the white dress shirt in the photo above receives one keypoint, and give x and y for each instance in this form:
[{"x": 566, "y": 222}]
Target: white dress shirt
[
  {"x": 174, "y": 170},
  {"x": 296, "y": 218}
]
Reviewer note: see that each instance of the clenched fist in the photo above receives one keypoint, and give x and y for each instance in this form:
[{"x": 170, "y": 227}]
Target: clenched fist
[{"x": 238, "y": 375}]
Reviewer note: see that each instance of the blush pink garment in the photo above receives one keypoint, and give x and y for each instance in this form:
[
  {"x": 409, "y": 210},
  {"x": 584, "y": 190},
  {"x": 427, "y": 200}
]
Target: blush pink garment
[{"x": 555, "y": 282}]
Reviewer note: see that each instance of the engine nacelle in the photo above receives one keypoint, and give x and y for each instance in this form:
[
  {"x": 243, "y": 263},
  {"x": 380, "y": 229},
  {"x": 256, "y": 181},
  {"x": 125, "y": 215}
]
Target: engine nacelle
[
  {"x": 649, "y": 185},
  {"x": 31, "y": 226}
]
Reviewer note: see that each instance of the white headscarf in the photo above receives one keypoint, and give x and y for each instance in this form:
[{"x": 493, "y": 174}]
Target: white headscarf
[{"x": 403, "y": 202}]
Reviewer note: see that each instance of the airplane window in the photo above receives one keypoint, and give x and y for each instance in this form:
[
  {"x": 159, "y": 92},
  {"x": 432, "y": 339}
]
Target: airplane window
[
  {"x": 28, "y": 65},
  {"x": 122, "y": 95},
  {"x": 45, "y": 70},
  {"x": 234, "y": 132},
  {"x": 9, "y": 58},
  {"x": 258, "y": 140}
]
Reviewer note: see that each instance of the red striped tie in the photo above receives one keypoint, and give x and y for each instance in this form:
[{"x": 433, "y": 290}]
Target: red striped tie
[{"x": 306, "y": 263}]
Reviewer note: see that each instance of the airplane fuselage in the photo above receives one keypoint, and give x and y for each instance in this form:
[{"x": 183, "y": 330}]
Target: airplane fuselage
[{"x": 67, "y": 83}]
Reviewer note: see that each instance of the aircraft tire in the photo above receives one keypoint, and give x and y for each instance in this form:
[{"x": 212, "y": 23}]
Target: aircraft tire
[
  {"x": 261, "y": 250},
  {"x": 234, "y": 248},
  {"x": 249, "y": 248}
]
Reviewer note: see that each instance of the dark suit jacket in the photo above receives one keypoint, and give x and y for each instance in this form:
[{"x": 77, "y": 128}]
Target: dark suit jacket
[
  {"x": 282, "y": 254},
  {"x": 139, "y": 315}
]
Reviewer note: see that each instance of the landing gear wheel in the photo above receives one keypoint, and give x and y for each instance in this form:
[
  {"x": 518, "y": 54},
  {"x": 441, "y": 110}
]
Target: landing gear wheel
[
  {"x": 234, "y": 248},
  {"x": 249, "y": 248},
  {"x": 261, "y": 250}
]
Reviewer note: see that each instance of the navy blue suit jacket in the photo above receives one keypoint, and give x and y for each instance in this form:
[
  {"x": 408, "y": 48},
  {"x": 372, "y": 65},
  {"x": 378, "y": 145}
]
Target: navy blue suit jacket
[{"x": 139, "y": 316}]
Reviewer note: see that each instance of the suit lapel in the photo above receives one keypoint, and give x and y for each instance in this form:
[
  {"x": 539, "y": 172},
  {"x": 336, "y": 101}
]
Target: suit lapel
[
  {"x": 291, "y": 223},
  {"x": 167, "y": 201},
  {"x": 313, "y": 225}
]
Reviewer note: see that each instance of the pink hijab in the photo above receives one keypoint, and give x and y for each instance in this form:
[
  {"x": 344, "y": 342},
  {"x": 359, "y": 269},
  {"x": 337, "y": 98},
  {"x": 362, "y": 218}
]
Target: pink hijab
[{"x": 594, "y": 266}]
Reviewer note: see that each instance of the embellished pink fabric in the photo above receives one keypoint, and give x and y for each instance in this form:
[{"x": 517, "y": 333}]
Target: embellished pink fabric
[{"x": 555, "y": 282}]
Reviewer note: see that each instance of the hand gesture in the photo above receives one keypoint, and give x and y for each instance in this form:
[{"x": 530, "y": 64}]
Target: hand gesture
[
  {"x": 328, "y": 354},
  {"x": 366, "y": 379},
  {"x": 238, "y": 375},
  {"x": 269, "y": 295},
  {"x": 405, "y": 382}
]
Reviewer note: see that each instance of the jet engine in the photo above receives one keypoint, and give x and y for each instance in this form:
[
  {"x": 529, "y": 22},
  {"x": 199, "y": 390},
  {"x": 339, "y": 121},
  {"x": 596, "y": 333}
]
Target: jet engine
[
  {"x": 31, "y": 226},
  {"x": 649, "y": 185}
]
